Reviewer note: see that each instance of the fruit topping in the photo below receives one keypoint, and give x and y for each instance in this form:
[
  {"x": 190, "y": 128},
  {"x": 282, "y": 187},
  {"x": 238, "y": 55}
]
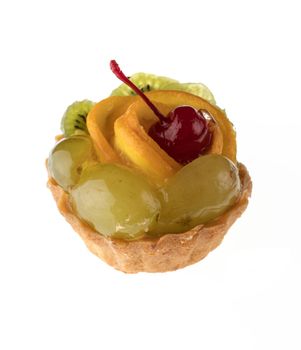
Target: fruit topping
[
  {"x": 115, "y": 201},
  {"x": 197, "y": 89},
  {"x": 145, "y": 82},
  {"x": 201, "y": 191},
  {"x": 67, "y": 159},
  {"x": 149, "y": 82},
  {"x": 100, "y": 124},
  {"x": 183, "y": 133},
  {"x": 74, "y": 119},
  {"x": 131, "y": 164}
]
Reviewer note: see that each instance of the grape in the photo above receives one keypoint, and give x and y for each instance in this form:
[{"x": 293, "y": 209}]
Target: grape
[
  {"x": 115, "y": 201},
  {"x": 67, "y": 158},
  {"x": 201, "y": 191}
]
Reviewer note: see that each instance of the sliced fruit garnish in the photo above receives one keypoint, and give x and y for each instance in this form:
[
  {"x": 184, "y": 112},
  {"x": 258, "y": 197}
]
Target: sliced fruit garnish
[
  {"x": 100, "y": 124},
  {"x": 145, "y": 82},
  {"x": 150, "y": 82},
  {"x": 118, "y": 127},
  {"x": 197, "y": 89},
  {"x": 74, "y": 119}
]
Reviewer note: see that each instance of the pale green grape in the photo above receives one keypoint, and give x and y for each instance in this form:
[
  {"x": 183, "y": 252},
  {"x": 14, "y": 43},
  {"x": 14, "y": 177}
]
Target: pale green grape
[
  {"x": 67, "y": 158},
  {"x": 115, "y": 201},
  {"x": 201, "y": 191}
]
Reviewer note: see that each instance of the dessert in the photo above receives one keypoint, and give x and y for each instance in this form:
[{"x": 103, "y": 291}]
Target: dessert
[{"x": 148, "y": 177}]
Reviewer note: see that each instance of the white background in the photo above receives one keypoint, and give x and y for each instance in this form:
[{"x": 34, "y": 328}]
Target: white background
[{"x": 246, "y": 294}]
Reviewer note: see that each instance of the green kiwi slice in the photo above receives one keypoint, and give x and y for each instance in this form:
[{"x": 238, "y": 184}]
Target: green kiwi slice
[
  {"x": 145, "y": 82},
  {"x": 148, "y": 82},
  {"x": 74, "y": 119},
  {"x": 197, "y": 89}
]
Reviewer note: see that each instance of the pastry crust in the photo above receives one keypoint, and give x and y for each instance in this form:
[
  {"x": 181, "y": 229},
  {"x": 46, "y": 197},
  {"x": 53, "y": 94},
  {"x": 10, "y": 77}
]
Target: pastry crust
[{"x": 169, "y": 252}]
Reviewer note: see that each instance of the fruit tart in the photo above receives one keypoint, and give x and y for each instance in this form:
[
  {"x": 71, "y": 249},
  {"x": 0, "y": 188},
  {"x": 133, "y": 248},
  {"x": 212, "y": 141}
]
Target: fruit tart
[{"x": 148, "y": 176}]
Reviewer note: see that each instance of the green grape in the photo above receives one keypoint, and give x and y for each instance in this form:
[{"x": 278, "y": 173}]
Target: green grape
[
  {"x": 201, "y": 191},
  {"x": 115, "y": 201},
  {"x": 66, "y": 160}
]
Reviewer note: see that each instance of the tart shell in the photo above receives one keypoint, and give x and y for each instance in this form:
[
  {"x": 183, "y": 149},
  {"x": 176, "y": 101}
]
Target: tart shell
[{"x": 166, "y": 253}]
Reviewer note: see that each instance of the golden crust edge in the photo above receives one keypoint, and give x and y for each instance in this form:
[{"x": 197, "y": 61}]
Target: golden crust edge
[{"x": 167, "y": 253}]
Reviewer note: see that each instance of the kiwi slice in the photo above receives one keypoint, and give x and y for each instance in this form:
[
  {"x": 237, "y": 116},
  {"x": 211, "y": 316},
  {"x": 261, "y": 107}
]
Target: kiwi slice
[
  {"x": 148, "y": 82},
  {"x": 145, "y": 82},
  {"x": 197, "y": 89},
  {"x": 74, "y": 119}
]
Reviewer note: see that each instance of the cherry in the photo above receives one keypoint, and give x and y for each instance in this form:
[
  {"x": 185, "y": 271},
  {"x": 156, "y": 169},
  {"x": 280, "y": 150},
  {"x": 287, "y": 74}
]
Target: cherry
[{"x": 183, "y": 134}]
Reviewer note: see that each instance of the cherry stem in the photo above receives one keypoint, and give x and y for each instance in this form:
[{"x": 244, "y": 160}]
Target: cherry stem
[{"x": 120, "y": 75}]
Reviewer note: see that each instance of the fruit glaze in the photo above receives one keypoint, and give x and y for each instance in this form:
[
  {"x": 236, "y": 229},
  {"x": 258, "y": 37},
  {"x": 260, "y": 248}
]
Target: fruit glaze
[{"x": 155, "y": 157}]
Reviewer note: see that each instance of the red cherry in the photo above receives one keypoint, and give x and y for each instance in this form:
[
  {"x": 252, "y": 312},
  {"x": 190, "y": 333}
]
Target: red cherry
[{"x": 184, "y": 134}]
